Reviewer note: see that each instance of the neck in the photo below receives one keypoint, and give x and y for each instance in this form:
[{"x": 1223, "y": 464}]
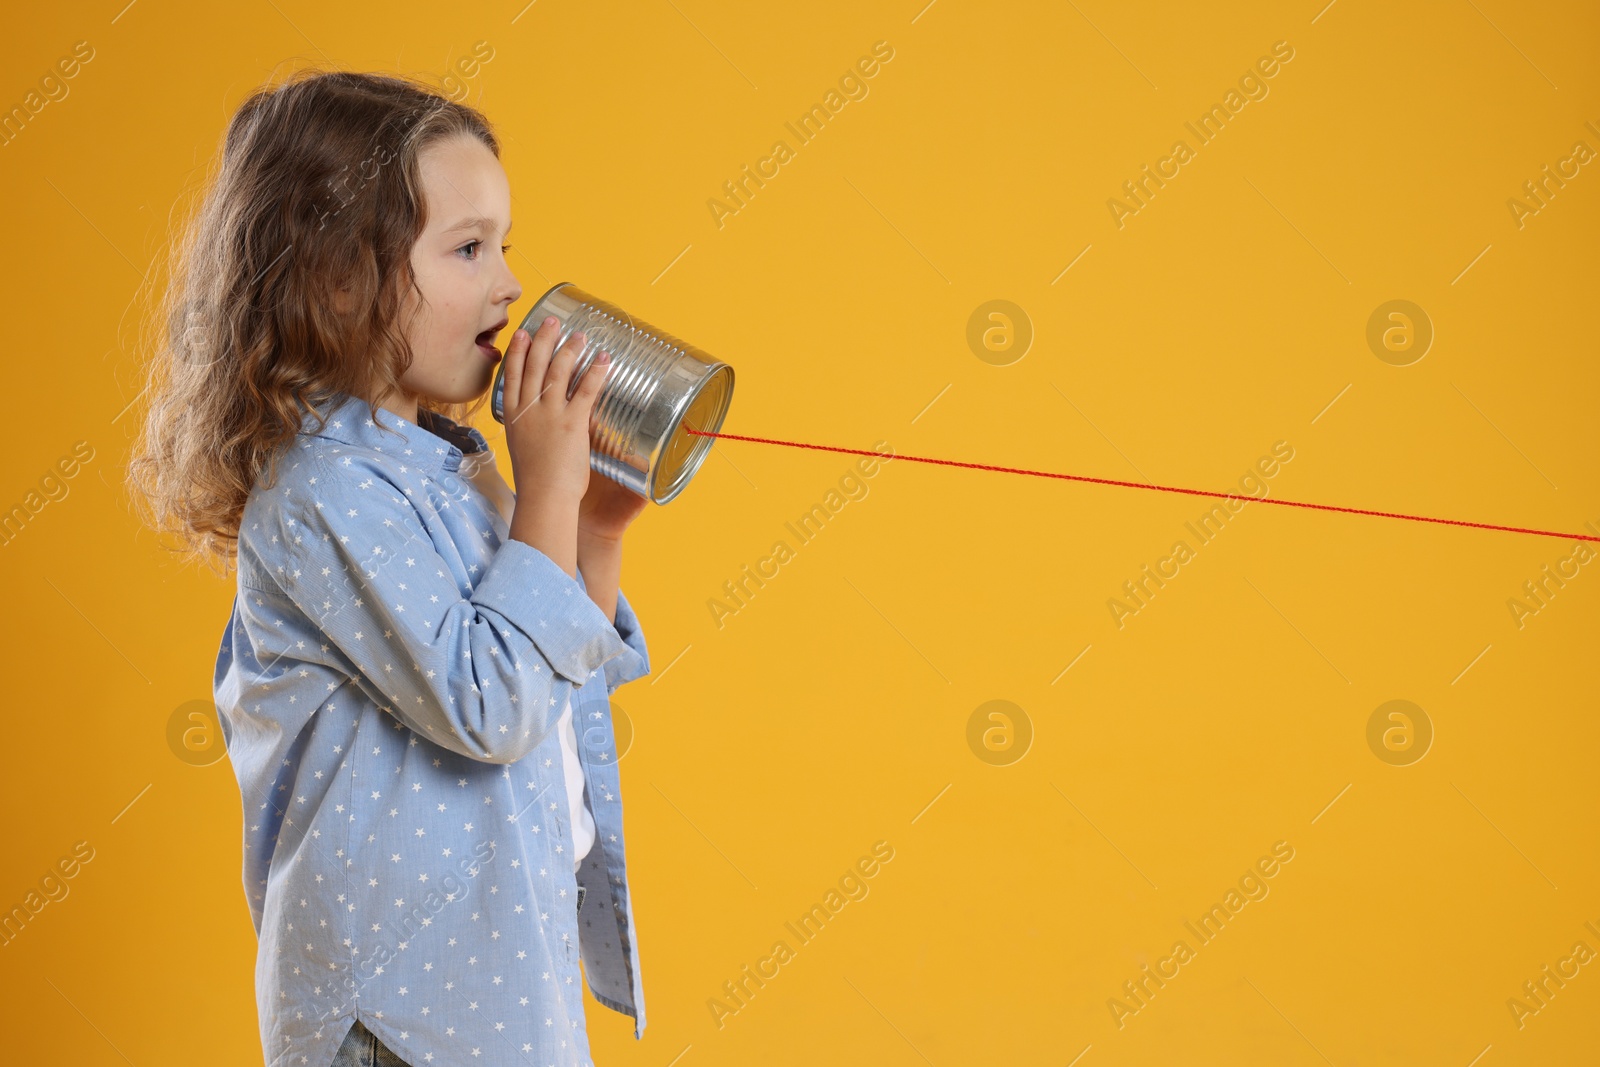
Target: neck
[{"x": 401, "y": 405}]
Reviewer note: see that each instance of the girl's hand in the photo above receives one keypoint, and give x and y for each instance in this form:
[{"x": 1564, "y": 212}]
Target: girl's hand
[
  {"x": 607, "y": 509},
  {"x": 547, "y": 435}
]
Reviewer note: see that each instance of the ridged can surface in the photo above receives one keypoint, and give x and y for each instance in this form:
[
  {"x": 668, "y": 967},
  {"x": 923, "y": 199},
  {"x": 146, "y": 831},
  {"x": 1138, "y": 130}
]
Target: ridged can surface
[{"x": 657, "y": 386}]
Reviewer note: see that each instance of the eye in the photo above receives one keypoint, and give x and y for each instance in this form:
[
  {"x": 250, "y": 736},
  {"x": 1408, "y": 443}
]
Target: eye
[
  {"x": 468, "y": 245},
  {"x": 504, "y": 249}
]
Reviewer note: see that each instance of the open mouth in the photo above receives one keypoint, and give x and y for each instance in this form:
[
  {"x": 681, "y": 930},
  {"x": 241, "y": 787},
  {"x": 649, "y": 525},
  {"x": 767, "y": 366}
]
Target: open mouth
[{"x": 485, "y": 340}]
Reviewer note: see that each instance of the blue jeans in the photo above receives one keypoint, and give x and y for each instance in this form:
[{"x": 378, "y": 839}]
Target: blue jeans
[{"x": 362, "y": 1048}]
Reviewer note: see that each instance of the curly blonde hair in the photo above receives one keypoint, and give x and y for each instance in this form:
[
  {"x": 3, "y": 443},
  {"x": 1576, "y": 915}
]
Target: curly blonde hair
[{"x": 285, "y": 288}]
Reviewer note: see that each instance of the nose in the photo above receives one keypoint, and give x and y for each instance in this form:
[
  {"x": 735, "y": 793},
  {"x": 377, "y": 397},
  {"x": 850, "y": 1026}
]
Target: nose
[{"x": 507, "y": 289}]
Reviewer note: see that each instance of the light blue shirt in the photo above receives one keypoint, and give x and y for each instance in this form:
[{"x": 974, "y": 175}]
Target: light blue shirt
[{"x": 388, "y": 687}]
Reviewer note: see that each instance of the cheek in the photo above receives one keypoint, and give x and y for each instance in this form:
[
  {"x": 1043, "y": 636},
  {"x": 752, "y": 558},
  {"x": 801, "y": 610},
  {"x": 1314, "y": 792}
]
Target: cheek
[
  {"x": 446, "y": 319},
  {"x": 422, "y": 332},
  {"x": 452, "y": 315}
]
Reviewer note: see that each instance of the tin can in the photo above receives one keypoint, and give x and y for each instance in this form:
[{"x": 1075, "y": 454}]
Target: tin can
[{"x": 658, "y": 388}]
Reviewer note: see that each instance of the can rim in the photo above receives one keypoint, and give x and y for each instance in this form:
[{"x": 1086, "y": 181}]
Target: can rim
[{"x": 702, "y": 445}]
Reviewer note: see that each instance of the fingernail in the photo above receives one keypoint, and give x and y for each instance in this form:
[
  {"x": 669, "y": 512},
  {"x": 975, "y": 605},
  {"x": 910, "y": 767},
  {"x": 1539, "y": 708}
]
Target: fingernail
[
  {"x": 550, "y": 320},
  {"x": 520, "y": 334}
]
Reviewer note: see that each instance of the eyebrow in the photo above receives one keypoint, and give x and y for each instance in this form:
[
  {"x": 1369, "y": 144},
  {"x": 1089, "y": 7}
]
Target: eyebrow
[{"x": 479, "y": 222}]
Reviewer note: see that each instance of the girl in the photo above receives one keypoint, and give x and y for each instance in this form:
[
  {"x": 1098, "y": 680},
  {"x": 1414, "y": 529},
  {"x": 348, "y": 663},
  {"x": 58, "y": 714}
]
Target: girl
[{"x": 413, "y": 650}]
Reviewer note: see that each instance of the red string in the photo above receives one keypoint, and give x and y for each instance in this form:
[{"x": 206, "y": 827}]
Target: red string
[{"x": 1158, "y": 488}]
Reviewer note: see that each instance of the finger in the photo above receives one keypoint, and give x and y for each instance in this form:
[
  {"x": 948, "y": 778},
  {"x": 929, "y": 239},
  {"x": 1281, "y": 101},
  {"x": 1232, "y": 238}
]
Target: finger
[
  {"x": 559, "y": 377},
  {"x": 511, "y": 380},
  {"x": 593, "y": 380},
  {"x": 533, "y": 372}
]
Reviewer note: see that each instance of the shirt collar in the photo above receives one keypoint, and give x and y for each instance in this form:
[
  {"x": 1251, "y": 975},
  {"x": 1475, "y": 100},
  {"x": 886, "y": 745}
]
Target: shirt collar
[{"x": 434, "y": 441}]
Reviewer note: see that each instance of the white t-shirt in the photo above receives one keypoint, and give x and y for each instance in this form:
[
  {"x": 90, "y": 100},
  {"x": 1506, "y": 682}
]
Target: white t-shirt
[{"x": 479, "y": 468}]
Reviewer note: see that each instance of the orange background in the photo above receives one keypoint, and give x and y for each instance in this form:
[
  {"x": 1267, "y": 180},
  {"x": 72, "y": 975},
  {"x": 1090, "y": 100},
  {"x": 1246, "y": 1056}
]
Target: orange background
[{"x": 833, "y": 709}]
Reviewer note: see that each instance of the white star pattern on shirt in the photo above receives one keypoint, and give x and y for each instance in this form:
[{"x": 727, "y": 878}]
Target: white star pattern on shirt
[{"x": 387, "y": 910}]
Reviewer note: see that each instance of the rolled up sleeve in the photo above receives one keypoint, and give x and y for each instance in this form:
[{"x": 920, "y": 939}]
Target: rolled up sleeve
[
  {"x": 634, "y": 661},
  {"x": 550, "y": 607},
  {"x": 465, "y": 669}
]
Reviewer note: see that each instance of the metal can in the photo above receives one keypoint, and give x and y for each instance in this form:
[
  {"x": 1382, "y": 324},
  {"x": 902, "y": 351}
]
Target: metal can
[{"x": 657, "y": 390}]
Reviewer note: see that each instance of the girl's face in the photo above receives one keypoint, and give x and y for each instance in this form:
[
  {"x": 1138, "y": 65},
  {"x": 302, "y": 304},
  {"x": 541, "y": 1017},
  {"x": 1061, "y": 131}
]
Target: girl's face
[{"x": 461, "y": 269}]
